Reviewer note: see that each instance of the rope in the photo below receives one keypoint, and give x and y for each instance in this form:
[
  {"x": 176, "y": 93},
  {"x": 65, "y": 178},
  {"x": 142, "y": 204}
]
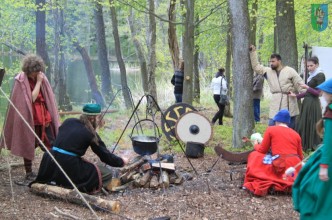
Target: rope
[{"x": 45, "y": 148}]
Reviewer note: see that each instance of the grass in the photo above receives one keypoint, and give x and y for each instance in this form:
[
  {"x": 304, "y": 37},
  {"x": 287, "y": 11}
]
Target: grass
[
  {"x": 115, "y": 122},
  {"x": 115, "y": 125}
]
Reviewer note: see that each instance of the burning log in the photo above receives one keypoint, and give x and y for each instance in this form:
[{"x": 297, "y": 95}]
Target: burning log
[
  {"x": 172, "y": 178},
  {"x": 127, "y": 177},
  {"x": 164, "y": 179},
  {"x": 147, "y": 173},
  {"x": 115, "y": 182},
  {"x": 144, "y": 179},
  {"x": 145, "y": 167},
  {"x": 154, "y": 183},
  {"x": 133, "y": 166},
  {"x": 122, "y": 187},
  {"x": 72, "y": 196},
  {"x": 180, "y": 178}
]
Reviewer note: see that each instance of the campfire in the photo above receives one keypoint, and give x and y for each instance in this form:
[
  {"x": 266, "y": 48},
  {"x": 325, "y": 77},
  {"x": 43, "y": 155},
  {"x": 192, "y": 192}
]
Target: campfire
[{"x": 145, "y": 172}]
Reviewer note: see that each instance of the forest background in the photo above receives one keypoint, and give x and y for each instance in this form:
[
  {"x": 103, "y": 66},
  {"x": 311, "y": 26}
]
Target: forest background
[{"x": 137, "y": 44}]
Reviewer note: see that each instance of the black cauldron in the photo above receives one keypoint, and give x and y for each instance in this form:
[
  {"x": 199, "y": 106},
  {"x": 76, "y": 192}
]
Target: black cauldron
[
  {"x": 194, "y": 149},
  {"x": 145, "y": 145}
]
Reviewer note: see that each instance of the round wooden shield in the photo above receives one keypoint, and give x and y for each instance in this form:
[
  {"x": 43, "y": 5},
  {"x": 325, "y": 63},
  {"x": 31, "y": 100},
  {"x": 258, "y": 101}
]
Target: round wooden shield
[
  {"x": 172, "y": 114},
  {"x": 193, "y": 127}
]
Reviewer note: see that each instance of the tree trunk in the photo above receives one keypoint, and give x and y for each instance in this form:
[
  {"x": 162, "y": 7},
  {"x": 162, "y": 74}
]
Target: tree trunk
[
  {"x": 106, "y": 81},
  {"x": 227, "y": 111},
  {"x": 287, "y": 44},
  {"x": 253, "y": 22},
  {"x": 152, "y": 51},
  {"x": 243, "y": 122},
  {"x": 63, "y": 95},
  {"x": 196, "y": 85},
  {"x": 40, "y": 37},
  {"x": 59, "y": 60},
  {"x": 172, "y": 37},
  {"x": 140, "y": 52},
  {"x": 67, "y": 106},
  {"x": 96, "y": 94},
  {"x": 275, "y": 37},
  {"x": 197, "y": 88},
  {"x": 188, "y": 54},
  {"x": 118, "y": 53},
  {"x": 57, "y": 43}
]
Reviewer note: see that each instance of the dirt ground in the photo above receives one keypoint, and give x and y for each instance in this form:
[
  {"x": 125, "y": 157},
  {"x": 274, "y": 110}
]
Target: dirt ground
[{"x": 214, "y": 195}]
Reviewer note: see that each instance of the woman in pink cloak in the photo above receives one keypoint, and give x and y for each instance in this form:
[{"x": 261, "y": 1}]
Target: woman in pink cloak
[{"x": 33, "y": 97}]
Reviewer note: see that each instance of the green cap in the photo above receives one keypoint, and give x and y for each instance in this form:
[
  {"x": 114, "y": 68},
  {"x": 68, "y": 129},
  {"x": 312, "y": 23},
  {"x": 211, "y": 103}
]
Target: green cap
[{"x": 91, "y": 109}]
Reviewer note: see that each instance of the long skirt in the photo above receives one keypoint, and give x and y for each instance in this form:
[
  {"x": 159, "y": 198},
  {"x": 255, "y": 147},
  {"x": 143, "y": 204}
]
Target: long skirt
[
  {"x": 85, "y": 175},
  {"x": 312, "y": 198},
  {"x": 260, "y": 177},
  {"x": 310, "y": 114}
]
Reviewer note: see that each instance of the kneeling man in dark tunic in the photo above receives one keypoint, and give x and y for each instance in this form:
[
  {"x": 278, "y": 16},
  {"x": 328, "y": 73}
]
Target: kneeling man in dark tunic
[{"x": 74, "y": 138}]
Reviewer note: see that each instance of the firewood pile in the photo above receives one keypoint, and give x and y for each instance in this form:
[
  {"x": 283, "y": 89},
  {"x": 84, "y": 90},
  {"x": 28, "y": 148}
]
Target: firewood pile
[{"x": 145, "y": 172}]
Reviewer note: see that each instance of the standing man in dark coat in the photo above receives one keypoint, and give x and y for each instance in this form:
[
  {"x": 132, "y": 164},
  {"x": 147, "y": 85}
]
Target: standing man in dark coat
[
  {"x": 177, "y": 81},
  {"x": 74, "y": 138}
]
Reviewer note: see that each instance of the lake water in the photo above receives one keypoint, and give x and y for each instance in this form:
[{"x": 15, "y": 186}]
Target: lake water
[
  {"x": 78, "y": 85},
  {"x": 77, "y": 82}
]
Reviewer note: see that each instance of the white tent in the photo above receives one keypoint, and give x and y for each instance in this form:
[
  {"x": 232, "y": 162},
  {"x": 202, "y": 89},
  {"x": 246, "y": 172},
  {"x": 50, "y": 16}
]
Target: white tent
[{"x": 324, "y": 55}]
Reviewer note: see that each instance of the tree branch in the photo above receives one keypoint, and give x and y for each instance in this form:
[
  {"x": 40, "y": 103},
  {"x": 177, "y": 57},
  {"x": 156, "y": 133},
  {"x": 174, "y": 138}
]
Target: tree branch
[
  {"x": 65, "y": 214},
  {"x": 17, "y": 50},
  {"x": 213, "y": 10},
  {"x": 215, "y": 27},
  {"x": 146, "y": 11}
]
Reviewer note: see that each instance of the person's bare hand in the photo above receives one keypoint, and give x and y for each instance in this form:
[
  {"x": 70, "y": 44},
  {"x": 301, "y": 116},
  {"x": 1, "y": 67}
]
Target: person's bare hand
[
  {"x": 304, "y": 86},
  {"x": 40, "y": 77},
  {"x": 252, "y": 48},
  {"x": 292, "y": 94},
  {"x": 125, "y": 160},
  {"x": 323, "y": 174}
]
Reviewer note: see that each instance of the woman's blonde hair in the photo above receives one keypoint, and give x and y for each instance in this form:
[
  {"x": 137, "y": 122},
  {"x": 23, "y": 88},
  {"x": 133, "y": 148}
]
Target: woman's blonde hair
[{"x": 90, "y": 126}]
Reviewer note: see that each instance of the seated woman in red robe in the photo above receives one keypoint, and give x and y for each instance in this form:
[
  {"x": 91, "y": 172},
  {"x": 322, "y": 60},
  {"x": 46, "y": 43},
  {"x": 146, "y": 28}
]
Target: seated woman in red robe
[{"x": 267, "y": 171}]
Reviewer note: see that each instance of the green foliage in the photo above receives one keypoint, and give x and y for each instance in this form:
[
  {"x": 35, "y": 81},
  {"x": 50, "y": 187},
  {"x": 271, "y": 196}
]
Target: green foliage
[{"x": 4, "y": 152}]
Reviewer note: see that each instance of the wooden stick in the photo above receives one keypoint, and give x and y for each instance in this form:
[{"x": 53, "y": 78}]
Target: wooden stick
[
  {"x": 133, "y": 166},
  {"x": 12, "y": 165},
  {"x": 79, "y": 112},
  {"x": 71, "y": 195},
  {"x": 65, "y": 214}
]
